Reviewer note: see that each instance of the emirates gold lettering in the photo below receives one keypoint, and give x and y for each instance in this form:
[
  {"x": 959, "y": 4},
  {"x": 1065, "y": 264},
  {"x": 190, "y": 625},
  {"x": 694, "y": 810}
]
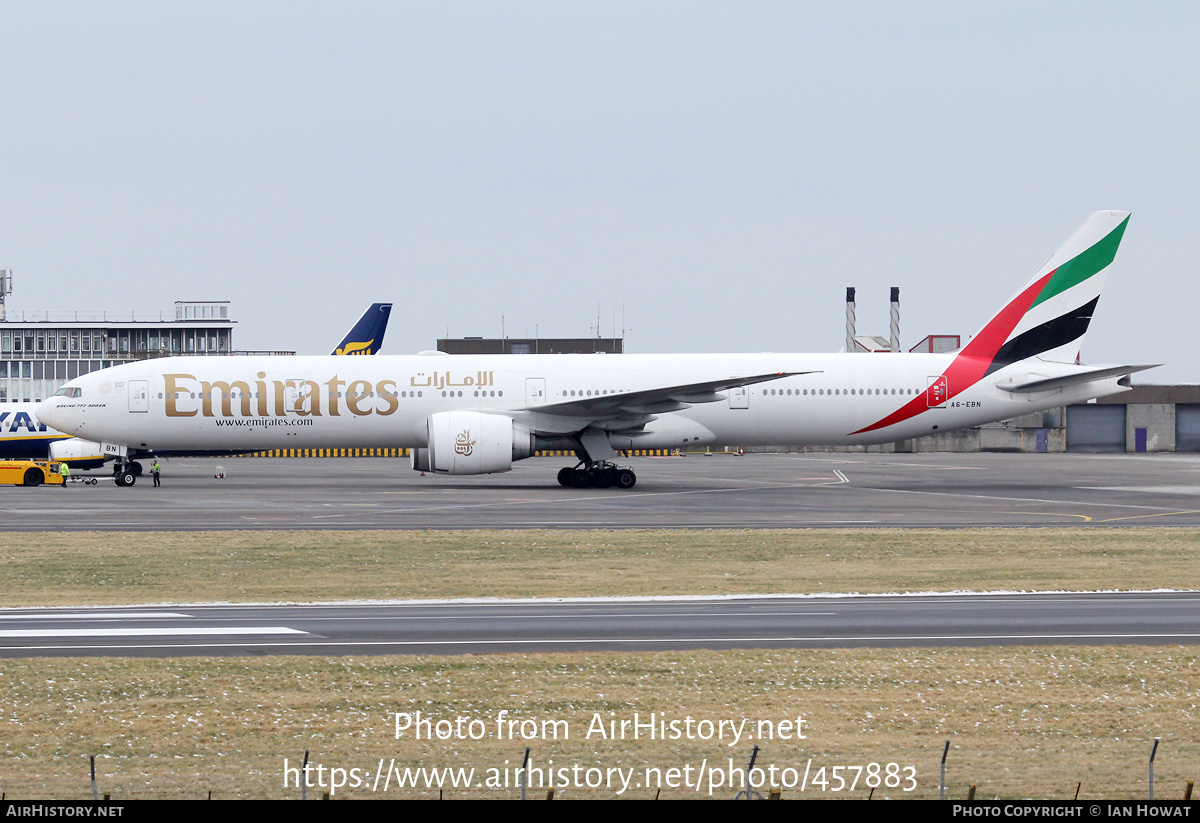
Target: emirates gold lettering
[
  {"x": 186, "y": 395},
  {"x": 308, "y": 399},
  {"x": 226, "y": 389},
  {"x": 387, "y": 390},
  {"x": 172, "y": 389},
  {"x": 261, "y": 391},
  {"x": 281, "y": 392},
  {"x": 335, "y": 388},
  {"x": 356, "y": 395}
]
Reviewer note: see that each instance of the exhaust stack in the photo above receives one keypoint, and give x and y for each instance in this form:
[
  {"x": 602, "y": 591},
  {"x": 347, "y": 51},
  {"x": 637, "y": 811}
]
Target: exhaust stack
[
  {"x": 895, "y": 319},
  {"x": 850, "y": 344}
]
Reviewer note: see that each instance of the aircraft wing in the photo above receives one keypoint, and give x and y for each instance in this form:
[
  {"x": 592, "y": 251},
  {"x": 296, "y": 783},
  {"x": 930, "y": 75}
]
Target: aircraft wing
[{"x": 635, "y": 404}]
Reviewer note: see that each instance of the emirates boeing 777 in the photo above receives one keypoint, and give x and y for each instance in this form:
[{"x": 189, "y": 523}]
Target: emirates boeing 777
[{"x": 478, "y": 414}]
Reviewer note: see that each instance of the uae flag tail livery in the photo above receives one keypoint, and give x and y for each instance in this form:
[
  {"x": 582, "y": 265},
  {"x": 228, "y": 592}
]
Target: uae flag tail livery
[{"x": 1041, "y": 326}]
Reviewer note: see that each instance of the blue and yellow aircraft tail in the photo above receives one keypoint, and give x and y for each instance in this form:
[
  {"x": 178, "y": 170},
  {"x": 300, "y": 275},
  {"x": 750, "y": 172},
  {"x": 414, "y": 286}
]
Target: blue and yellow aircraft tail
[{"x": 367, "y": 335}]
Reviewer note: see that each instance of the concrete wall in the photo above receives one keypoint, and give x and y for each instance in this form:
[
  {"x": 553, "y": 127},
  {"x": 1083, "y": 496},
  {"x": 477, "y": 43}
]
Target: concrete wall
[{"x": 1158, "y": 419}]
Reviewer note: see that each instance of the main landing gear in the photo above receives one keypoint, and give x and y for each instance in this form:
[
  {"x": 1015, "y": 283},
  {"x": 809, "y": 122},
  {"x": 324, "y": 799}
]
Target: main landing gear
[{"x": 600, "y": 475}]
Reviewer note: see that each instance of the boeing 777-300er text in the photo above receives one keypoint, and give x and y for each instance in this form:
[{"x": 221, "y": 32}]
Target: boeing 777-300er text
[
  {"x": 477, "y": 414},
  {"x": 24, "y": 436}
]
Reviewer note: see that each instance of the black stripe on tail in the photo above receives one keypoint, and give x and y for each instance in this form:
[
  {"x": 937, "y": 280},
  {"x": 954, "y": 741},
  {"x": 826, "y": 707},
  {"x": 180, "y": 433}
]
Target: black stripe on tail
[{"x": 1050, "y": 335}]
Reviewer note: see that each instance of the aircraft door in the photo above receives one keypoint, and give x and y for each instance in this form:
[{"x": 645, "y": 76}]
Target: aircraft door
[
  {"x": 739, "y": 398},
  {"x": 297, "y": 395},
  {"x": 938, "y": 390},
  {"x": 139, "y": 396},
  {"x": 535, "y": 391}
]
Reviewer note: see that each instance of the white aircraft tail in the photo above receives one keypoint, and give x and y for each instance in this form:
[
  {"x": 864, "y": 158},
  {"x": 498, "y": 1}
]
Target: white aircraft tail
[{"x": 1050, "y": 314}]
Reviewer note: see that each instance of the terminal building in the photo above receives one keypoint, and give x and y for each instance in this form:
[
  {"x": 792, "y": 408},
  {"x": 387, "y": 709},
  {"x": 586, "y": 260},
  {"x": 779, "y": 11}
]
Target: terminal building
[
  {"x": 41, "y": 350},
  {"x": 531, "y": 345}
]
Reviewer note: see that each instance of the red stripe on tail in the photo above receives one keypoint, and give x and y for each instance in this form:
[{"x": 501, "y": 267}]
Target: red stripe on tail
[{"x": 972, "y": 362}]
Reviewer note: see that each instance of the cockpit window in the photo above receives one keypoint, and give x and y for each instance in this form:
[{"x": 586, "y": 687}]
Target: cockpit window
[{"x": 68, "y": 391}]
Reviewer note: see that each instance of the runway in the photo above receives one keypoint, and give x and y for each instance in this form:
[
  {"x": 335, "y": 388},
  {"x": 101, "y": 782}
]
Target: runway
[
  {"x": 596, "y": 625},
  {"x": 820, "y": 490}
]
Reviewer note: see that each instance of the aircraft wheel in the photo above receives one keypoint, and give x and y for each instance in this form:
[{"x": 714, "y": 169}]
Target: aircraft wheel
[
  {"x": 126, "y": 478},
  {"x": 136, "y": 468},
  {"x": 33, "y": 477},
  {"x": 580, "y": 478},
  {"x": 603, "y": 478},
  {"x": 626, "y": 479},
  {"x": 564, "y": 476}
]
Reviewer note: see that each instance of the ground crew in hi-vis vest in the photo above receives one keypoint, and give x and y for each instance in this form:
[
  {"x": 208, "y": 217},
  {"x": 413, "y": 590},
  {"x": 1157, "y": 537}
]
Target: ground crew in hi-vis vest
[{"x": 65, "y": 471}]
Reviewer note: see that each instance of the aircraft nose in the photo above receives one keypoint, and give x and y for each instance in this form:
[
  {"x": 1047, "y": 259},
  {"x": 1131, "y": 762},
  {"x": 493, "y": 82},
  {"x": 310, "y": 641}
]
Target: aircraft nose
[{"x": 44, "y": 412}]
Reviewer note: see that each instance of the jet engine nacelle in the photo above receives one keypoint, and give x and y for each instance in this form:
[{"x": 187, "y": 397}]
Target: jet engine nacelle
[
  {"x": 77, "y": 452},
  {"x": 471, "y": 442}
]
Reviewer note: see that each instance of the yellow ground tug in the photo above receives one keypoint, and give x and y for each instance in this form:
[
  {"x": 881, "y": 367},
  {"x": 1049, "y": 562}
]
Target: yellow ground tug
[{"x": 30, "y": 473}]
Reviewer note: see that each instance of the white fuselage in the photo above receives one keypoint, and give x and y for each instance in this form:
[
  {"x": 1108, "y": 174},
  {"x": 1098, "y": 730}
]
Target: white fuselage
[{"x": 253, "y": 403}]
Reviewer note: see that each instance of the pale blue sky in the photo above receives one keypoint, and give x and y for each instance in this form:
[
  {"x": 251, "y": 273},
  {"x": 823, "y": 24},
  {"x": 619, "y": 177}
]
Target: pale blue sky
[{"x": 721, "y": 170}]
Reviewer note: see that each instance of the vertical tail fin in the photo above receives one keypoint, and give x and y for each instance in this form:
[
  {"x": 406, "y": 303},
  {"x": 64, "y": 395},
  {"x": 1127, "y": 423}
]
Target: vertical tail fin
[
  {"x": 1048, "y": 317},
  {"x": 367, "y": 335}
]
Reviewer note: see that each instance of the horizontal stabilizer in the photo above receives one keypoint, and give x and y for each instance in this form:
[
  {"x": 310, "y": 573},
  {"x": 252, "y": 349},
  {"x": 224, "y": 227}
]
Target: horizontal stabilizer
[{"x": 1024, "y": 384}]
